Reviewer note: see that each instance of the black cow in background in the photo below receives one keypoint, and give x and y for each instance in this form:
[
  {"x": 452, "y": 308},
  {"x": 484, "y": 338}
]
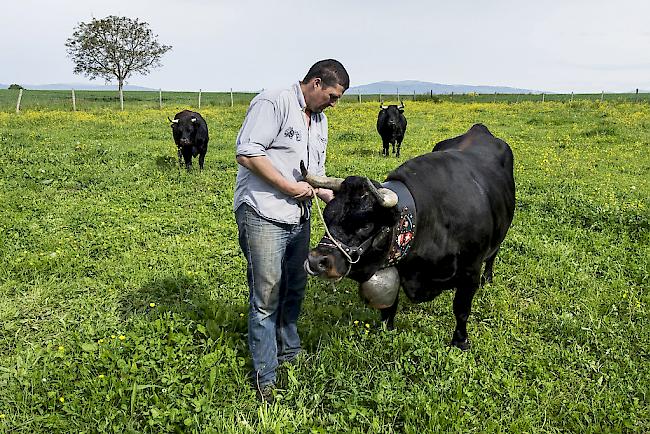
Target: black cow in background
[
  {"x": 391, "y": 125},
  {"x": 191, "y": 137}
]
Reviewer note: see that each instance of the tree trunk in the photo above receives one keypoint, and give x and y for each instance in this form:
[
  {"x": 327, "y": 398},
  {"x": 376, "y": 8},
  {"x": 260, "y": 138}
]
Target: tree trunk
[{"x": 120, "y": 86}]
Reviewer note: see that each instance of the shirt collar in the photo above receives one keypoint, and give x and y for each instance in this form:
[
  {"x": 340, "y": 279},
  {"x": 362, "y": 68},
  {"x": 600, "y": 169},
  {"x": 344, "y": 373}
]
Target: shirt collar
[{"x": 301, "y": 98}]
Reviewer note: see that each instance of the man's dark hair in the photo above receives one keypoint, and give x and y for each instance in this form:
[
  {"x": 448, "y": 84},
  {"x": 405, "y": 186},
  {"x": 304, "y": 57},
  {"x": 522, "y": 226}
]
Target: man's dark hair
[{"x": 330, "y": 71}]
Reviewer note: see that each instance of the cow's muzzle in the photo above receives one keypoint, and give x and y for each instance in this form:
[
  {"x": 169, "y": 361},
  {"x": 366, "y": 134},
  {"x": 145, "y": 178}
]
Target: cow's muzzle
[{"x": 323, "y": 266}]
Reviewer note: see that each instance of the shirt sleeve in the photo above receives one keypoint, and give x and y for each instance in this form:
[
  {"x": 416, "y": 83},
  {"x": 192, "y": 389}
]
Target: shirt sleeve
[{"x": 260, "y": 128}]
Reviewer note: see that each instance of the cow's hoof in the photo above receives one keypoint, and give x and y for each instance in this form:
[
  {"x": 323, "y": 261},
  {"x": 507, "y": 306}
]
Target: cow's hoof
[{"x": 463, "y": 345}]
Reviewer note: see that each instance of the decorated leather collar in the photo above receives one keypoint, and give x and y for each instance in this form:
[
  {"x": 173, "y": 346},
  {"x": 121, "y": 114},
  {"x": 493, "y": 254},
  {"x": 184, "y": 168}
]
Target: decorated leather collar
[{"x": 404, "y": 230}]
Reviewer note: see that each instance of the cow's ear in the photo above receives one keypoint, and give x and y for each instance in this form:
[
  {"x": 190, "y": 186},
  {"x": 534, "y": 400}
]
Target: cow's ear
[{"x": 401, "y": 110}]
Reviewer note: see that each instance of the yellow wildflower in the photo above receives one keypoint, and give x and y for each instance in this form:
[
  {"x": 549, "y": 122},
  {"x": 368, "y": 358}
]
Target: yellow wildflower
[
  {"x": 122, "y": 337},
  {"x": 241, "y": 315},
  {"x": 356, "y": 322},
  {"x": 367, "y": 325},
  {"x": 101, "y": 375},
  {"x": 62, "y": 399},
  {"x": 152, "y": 304},
  {"x": 112, "y": 336},
  {"x": 61, "y": 348}
]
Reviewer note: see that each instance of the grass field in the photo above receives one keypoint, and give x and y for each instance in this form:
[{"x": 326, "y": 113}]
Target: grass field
[{"x": 123, "y": 295}]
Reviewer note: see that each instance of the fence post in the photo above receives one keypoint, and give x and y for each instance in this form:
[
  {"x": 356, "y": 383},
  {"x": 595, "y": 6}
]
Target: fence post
[
  {"x": 602, "y": 95},
  {"x": 20, "y": 96},
  {"x": 431, "y": 93},
  {"x": 232, "y": 100},
  {"x": 199, "y": 99},
  {"x": 571, "y": 96},
  {"x": 379, "y": 96},
  {"x": 542, "y": 96},
  {"x": 160, "y": 98},
  {"x": 636, "y": 98},
  {"x": 398, "y": 94},
  {"x": 121, "y": 99},
  {"x": 359, "y": 97},
  {"x": 413, "y": 95},
  {"x": 518, "y": 98},
  {"x": 74, "y": 102}
]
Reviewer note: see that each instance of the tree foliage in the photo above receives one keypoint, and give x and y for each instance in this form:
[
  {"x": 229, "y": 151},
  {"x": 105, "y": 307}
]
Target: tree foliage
[
  {"x": 114, "y": 48},
  {"x": 15, "y": 86}
]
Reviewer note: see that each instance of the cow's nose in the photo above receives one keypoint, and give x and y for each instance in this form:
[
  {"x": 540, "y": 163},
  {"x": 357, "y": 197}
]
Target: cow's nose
[
  {"x": 185, "y": 141},
  {"x": 318, "y": 264}
]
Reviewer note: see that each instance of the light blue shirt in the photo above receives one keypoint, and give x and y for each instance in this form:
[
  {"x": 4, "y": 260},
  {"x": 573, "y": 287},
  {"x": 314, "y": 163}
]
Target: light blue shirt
[{"x": 276, "y": 127}]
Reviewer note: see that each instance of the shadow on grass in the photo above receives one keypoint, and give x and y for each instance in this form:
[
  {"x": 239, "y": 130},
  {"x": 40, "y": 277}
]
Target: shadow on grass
[
  {"x": 166, "y": 162},
  {"x": 185, "y": 297}
]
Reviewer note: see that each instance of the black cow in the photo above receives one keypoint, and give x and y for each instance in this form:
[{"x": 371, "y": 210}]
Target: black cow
[
  {"x": 391, "y": 125},
  {"x": 429, "y": 227},
  {"x": 191, "y": 137}
]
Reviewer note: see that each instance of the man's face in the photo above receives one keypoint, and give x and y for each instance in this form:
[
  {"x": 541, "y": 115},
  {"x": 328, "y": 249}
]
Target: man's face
[{"x": 318, "y": 96}]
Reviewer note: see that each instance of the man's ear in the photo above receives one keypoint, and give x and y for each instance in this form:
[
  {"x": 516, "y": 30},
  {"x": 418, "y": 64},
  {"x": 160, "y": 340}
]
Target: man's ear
[{"x": 317, "y": 82}]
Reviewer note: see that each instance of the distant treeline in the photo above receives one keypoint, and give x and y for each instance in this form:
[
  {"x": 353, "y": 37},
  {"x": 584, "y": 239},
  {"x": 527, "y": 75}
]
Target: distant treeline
[{"x": 95, "y": 99}]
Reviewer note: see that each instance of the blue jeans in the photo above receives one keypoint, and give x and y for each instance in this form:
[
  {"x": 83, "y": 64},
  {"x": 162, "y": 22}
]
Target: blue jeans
[{"x": 276, "y": 276}]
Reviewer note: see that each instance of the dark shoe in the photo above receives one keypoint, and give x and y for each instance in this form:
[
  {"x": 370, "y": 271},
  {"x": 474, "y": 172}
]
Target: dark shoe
[{"x": 265, "y": 394}]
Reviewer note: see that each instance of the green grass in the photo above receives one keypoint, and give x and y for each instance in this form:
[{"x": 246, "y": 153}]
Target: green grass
[{"x": 122, "y": 287}]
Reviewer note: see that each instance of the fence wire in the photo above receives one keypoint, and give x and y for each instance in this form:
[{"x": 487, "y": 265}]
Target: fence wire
[{"x": 109, "y": 100}]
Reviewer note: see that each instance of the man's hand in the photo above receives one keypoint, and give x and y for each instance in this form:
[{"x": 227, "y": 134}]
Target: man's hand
[
  {"x": 300, "y": 190},
  {"x": 325, "y": 194}
]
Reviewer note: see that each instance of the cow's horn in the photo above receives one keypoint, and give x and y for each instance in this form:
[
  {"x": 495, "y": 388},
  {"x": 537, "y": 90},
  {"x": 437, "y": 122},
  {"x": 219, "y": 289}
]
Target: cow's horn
[
  {"x": 193, "y": 119},
  {"x": 385, "y": 196},
  {"x": 401, "y": 104},
  {"x": 333, "y": 184},
  {"x": 175, "y": 121},
  {"x": 382, "y": 106}
]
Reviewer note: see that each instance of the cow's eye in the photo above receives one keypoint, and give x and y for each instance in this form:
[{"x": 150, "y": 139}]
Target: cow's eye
[{"x": 366, "y": 228}]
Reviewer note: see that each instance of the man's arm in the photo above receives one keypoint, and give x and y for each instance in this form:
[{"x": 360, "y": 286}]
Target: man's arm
[
  {"x": 262, "y": 167},
  {"x": 325, "y": 194}
]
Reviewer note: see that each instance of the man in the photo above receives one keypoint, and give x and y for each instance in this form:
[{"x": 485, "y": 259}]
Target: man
[{"x": 272, "y": 209}]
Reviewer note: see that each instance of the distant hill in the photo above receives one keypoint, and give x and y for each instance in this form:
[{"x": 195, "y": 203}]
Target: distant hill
[
  {"x": 407, "y": 87},
  {"x": 77, "y": 86}
]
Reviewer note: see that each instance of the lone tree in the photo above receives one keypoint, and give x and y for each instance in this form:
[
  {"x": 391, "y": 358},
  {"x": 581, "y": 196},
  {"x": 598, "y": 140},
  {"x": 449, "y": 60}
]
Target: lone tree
[{"x": 114, "y": 47}]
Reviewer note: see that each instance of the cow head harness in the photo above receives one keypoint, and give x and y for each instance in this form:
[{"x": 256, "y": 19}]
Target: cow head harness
[{"x": 403, "y": 233}]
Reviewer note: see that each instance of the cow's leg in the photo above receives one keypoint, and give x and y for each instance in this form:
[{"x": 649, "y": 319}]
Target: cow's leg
[
  {"x": 399, "y": 145},
  {"x": 462, "y": 308},
  {"x": 385, "y": 150},
  {"x": 486, "y": 277},
  {"x": 393, "y": 143},
  {"x": 201, "y": 159},
  {"x": 180, "y": 157},
  {"x": 187, "y": 155},
  {"x": 388, "y": 314}
]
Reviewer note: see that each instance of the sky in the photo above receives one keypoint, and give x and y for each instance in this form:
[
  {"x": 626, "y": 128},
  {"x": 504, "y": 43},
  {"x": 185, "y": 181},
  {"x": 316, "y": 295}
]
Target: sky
[{"x": 547, "y": 45}]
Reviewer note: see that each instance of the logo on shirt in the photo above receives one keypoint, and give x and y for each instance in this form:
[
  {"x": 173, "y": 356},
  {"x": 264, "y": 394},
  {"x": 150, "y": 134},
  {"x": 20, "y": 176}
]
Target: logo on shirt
[{"x": 291, "y": 133}]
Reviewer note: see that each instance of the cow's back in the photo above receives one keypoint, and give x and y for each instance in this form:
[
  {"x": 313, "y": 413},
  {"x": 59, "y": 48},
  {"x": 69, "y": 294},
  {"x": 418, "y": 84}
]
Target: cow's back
[{"x": 464, "y": 195}]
